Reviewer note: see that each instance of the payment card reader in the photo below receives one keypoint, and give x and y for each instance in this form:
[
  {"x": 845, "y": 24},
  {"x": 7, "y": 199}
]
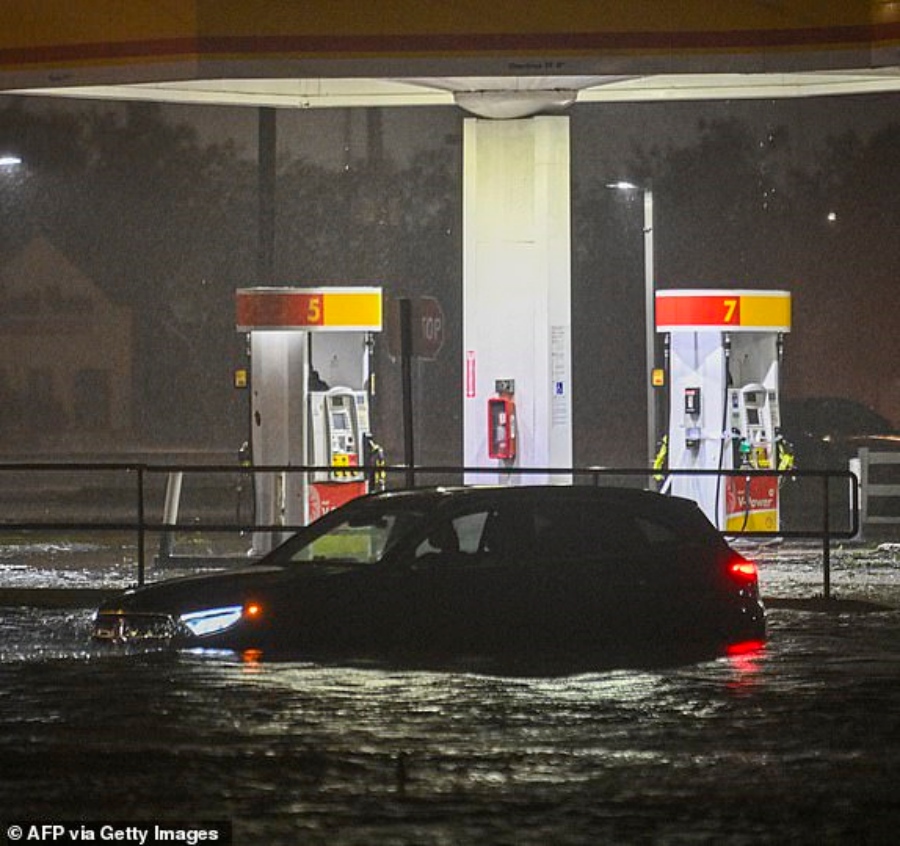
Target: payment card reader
[
  {"x": 754, "y": 421},
  {"x": 340, "y": 422}
]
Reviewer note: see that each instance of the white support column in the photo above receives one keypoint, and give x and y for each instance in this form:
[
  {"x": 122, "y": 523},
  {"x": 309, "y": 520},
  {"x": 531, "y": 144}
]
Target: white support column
[
  {"x": 279, "y": 426},
  {"x": 516, "y": 288}
]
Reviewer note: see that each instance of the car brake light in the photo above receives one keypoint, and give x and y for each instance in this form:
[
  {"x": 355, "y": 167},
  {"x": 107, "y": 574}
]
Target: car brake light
[
  {"x": 253, "y": 610},
  {"x": 745, "y": 647},
  {"x": 743, "y": 569}
]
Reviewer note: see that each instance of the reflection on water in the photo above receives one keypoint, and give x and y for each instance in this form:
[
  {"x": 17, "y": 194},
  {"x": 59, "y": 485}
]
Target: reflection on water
[
  {"x": 96, "y": 560},
  {"x": 796, "y": 742}
]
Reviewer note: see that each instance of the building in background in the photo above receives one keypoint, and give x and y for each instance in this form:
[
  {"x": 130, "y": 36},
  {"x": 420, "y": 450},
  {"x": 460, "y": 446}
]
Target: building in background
[{"x": 65, "y": 354}]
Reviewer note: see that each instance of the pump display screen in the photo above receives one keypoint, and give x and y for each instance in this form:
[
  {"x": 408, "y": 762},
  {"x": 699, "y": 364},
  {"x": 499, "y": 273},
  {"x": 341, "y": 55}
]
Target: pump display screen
[
  {"x": 753, "y": 416},
  {"x": 340, "y": 421}
]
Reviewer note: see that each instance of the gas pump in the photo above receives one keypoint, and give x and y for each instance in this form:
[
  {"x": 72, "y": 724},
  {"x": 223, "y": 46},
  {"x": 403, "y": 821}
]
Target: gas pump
[
  {"x": 339, "y": 433},
  {"x": 302, "y": 341},
  {"x": 724, "y": 373}
]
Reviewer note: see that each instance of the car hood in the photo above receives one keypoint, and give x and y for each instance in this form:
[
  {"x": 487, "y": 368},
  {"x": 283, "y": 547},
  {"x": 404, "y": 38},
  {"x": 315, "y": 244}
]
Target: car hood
[{"x": 194, "y": 593}]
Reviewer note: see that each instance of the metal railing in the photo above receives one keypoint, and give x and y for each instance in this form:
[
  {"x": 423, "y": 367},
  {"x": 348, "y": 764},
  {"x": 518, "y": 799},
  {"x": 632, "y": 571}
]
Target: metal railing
[{"x": 132, "y": 498}]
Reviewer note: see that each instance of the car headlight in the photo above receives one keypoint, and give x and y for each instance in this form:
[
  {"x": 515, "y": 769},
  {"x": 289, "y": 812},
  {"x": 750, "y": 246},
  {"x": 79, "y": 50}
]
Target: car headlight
[{"x": 212, "y": 620}]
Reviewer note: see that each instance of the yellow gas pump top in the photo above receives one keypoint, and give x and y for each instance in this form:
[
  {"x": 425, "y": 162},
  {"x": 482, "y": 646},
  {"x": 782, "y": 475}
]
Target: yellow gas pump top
[
  {"x": 309, "y": 309},
  {"x": 732, "y": 310}
]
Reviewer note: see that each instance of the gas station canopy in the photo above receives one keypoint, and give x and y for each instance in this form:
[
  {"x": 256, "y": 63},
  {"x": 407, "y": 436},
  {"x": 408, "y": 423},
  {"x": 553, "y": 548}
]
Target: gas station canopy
[{"x": 503, "y": 59}]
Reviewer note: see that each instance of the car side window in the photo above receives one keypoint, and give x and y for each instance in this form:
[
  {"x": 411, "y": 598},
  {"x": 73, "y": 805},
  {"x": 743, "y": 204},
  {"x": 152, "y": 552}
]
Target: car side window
[
  {"x": 470, "y": 529},
  {"x": 458, "y": 535}
]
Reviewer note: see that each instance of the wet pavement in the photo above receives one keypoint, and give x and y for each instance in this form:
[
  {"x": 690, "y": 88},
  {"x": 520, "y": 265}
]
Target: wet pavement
[{"x": 796, "y": 742}]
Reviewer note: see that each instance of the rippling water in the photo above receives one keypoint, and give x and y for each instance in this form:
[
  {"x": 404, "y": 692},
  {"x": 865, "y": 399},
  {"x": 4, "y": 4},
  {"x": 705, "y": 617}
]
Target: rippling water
[{"x": 796, "y": 743}]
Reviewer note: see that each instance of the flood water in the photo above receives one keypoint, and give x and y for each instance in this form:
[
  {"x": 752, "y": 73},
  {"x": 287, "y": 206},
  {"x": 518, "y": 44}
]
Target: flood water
[{"x": 798, "y": 742}]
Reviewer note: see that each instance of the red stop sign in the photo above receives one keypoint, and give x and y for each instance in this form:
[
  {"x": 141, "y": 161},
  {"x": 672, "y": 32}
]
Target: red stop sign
[{"x": 428, "y": 327}]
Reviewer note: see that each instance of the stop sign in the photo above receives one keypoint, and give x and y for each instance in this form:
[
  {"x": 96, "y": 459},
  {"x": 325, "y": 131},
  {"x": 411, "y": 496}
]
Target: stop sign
[{"x": 428, "y": 327}]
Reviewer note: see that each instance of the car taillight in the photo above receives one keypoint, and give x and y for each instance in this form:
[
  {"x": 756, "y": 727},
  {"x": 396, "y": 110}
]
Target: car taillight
[
  {"x": 745, "y": 647},
  {"x": 742, "y": 570}
]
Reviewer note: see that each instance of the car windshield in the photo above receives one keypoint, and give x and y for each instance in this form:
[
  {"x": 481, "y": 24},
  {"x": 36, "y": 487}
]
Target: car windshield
[{"x": 363, "y": 538}]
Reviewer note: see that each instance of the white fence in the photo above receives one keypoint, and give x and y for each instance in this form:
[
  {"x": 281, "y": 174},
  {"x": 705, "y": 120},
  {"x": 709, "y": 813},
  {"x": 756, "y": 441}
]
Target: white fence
[{"x": 866, "y": 466}]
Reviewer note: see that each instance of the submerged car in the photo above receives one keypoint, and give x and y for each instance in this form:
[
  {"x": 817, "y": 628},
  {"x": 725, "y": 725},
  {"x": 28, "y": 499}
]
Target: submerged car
[{"x": 581, "y": 574}]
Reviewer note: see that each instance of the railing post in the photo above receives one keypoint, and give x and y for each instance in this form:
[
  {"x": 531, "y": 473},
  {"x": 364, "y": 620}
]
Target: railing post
[
  {"x": 826, "y": 539},
  {"x": 170, "y": 512},
  {"x": 141, "y": 525}
]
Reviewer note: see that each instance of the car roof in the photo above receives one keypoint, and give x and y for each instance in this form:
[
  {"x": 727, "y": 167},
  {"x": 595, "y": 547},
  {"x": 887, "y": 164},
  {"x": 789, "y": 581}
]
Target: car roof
[{"x": 629, "y": 497}]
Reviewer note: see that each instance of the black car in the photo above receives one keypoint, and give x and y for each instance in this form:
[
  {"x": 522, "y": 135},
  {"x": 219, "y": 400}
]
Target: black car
[{"x": 583, "y": 574}]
